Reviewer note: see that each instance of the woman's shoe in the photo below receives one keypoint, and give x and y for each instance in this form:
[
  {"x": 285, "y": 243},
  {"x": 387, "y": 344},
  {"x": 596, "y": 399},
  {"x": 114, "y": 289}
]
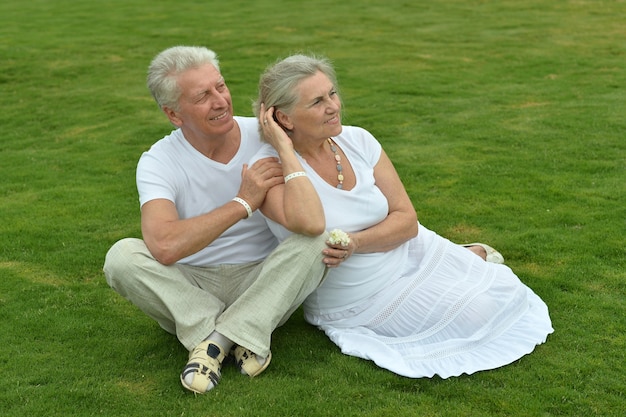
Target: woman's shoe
[{"x": 493, "y": 255}]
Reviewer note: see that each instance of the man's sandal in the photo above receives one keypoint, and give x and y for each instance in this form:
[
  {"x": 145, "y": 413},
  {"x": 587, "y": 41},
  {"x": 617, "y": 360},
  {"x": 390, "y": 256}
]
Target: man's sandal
[
  {"x": 247, "y": 361},
  {"x": 205, "y": 364},
  {"x": 493, "y": 255}
]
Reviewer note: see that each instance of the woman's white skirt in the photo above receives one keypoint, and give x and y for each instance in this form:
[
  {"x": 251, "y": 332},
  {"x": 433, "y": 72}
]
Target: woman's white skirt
[{"x": 449, "y": 313}]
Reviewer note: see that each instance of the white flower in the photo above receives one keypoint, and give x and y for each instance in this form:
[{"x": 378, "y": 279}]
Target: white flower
[{"x": 339, "y": 237}]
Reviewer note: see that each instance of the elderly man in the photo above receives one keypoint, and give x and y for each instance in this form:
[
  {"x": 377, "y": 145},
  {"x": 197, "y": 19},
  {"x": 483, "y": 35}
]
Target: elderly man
[{"x": 208, "y": 269}]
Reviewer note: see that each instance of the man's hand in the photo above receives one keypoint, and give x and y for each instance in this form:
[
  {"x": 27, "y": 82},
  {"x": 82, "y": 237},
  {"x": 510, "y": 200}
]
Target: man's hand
[{"x": 258, "y": 179}]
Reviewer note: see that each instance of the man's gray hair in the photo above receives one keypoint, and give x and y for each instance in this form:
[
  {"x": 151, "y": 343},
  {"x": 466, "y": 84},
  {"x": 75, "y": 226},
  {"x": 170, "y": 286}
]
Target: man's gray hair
[{"x": 165, "y": 68}]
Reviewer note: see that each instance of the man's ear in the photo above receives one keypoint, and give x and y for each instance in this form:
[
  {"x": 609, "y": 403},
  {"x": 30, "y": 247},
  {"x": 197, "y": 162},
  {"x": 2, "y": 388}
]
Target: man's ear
[
  {"x": 283, "y": 120},
  {"x": 173, "y": 116}
]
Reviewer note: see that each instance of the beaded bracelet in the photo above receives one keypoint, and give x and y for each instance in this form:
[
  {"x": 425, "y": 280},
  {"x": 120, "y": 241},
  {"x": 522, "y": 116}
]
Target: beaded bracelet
[
  {"x": 294, "y": 175},
  {"x": 244, "y": 204}
]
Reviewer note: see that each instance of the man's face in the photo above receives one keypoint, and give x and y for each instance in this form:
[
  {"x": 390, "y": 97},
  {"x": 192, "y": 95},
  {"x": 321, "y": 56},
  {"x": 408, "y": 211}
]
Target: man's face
[{"x": 205, "y": 105}]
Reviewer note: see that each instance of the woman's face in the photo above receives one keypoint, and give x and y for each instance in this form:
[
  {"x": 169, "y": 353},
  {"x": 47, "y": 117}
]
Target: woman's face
[{"x": 317, "y": 115}]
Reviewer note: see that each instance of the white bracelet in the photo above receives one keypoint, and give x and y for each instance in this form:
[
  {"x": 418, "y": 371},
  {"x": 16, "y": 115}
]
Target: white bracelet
[
  {"x": 244, "y": 204},
  {"x": 294, "y": 175}
]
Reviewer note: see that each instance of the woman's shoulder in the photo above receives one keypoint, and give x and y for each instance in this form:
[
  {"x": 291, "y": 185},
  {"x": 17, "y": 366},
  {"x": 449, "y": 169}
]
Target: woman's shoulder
[
  {"x": 357, "y": 134},
  {"x": 359, "y": 139},
  {"x": 355, "y": 130}
]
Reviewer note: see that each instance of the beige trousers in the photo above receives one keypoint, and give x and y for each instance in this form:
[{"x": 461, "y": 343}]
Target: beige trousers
[{"x": 244, "y": 302}]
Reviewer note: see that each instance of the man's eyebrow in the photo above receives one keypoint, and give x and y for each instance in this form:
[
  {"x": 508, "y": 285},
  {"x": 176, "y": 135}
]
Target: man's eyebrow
[{"x": 206, "y": 90}]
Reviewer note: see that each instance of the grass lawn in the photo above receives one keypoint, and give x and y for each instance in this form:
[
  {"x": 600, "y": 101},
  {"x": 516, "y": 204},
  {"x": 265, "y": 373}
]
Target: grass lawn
[{"x": 505, "y": 119}]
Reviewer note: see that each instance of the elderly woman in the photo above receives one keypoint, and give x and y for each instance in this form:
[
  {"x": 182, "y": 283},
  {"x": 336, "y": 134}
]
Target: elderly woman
[{"x": 398, "y": 293}]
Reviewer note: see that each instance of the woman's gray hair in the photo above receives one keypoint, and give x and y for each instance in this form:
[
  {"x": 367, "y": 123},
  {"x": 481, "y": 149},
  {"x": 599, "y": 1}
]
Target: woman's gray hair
[
  {"x": 277, "y": 85},
  {"x": 165, "y": 68}
]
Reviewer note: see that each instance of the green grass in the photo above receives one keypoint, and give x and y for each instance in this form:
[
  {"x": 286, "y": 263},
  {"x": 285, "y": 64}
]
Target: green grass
[{"x": 505, "y": 119}]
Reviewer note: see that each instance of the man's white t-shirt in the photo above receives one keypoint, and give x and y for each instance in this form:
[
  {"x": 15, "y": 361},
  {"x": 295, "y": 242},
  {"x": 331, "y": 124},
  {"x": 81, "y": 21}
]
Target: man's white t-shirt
[{"x": 174, "y": 170}]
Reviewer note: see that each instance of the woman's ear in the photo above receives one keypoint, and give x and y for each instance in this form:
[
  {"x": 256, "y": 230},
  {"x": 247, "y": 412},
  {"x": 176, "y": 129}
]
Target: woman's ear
[{"x": 283, "y": 120}]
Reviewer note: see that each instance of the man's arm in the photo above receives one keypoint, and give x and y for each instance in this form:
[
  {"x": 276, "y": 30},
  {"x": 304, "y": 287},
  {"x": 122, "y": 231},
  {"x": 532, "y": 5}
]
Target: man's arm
[{"x": 170, "y": 238}]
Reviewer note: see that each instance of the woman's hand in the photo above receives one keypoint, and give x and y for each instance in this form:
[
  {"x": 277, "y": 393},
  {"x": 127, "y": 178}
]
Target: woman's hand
[
  {"x": 273, "y": 132},
  {"x": 338, "y": 251}
]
